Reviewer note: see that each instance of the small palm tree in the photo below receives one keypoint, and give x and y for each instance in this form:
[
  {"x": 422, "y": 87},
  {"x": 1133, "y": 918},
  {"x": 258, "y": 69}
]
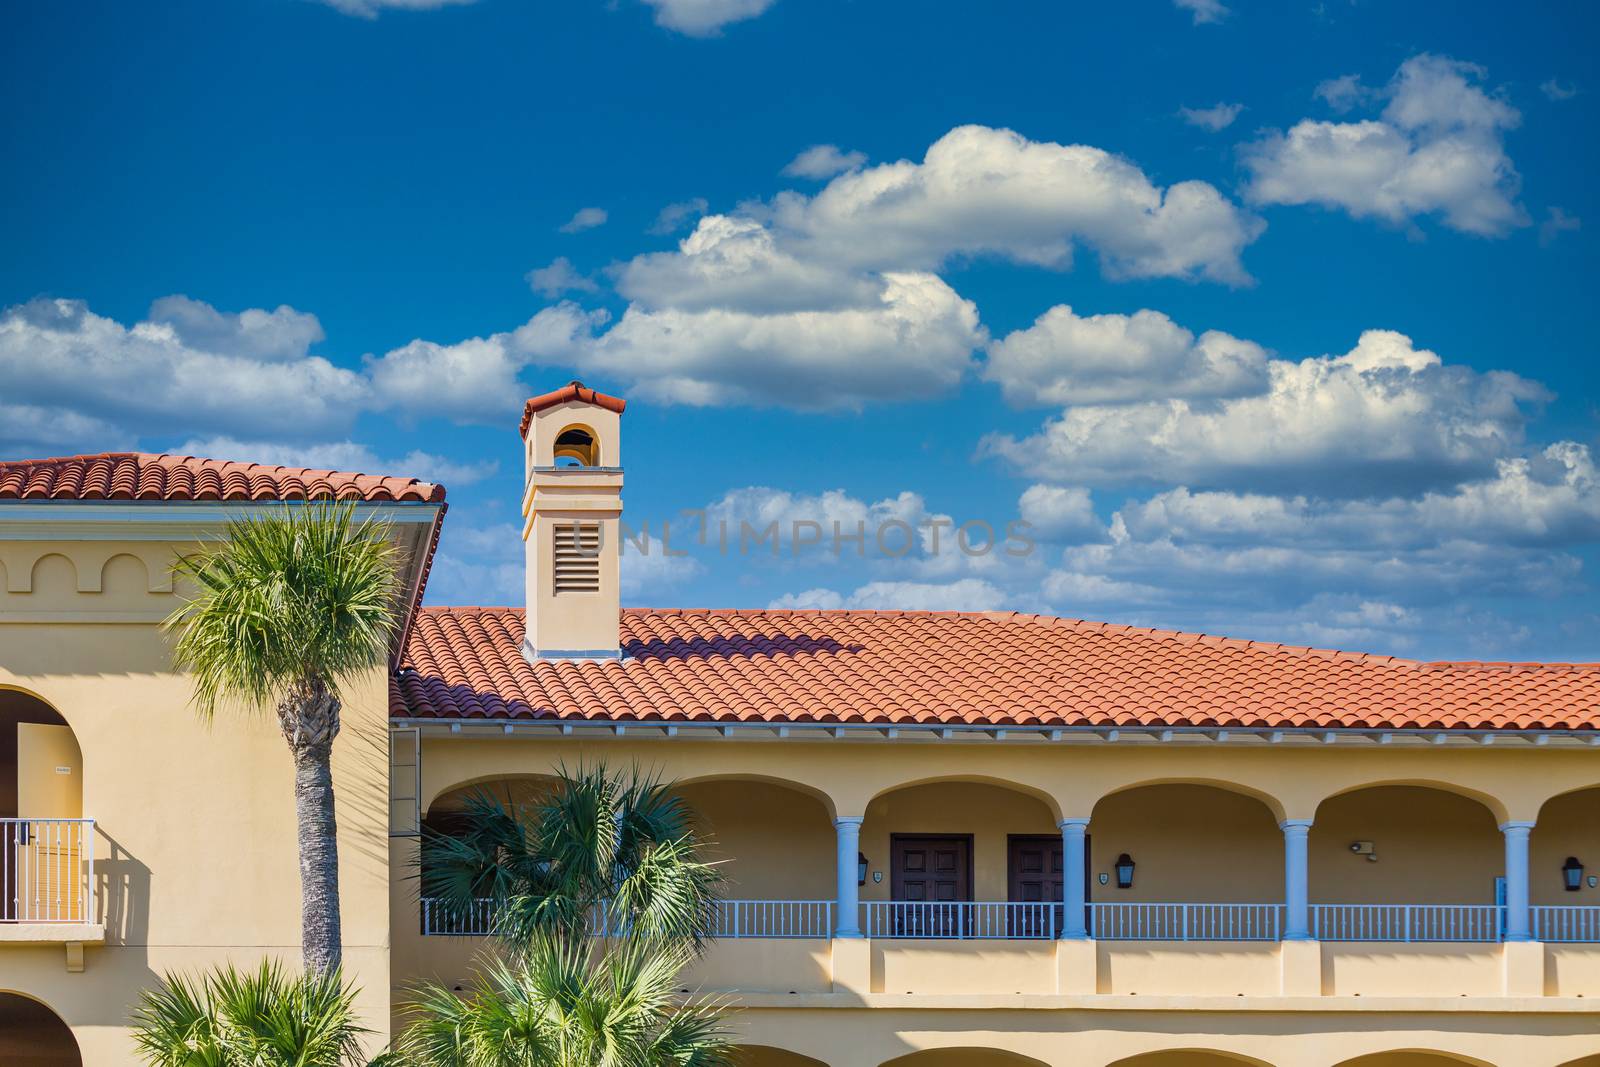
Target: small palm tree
[
  {"x": 600, "y": 899},
  {"x": 561, "y": 1005},
  {"x": 290, "y": 607},
  {"x": 263, "y": 1018},
  {"x": 601, "y": 853}
]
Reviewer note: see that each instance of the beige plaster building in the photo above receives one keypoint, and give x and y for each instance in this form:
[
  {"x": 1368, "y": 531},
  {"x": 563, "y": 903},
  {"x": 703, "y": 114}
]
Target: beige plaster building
[{"x": 951, "y": 838}]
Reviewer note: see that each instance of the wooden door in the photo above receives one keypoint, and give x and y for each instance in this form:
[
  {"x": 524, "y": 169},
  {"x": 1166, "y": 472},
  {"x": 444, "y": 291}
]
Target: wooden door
[
  {"x": 934, "y": 873},
  {"x": 1034, "y": 876},
  {"x": 48, "y": 854}
]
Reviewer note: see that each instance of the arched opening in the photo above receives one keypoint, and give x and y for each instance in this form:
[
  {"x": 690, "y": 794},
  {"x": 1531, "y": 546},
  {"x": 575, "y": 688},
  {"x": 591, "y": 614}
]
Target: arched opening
[
  {"x": 960, "y": 859},
  {"x": 1587, "y": 1061},
  {"x": 1184, "y": 843},
  {"x": 1567, "y": 836},
  {"x": 31, "y": 1035},
  {"x": 1413, "y": 1058},
  {"x": 963, "y": 1057},
  {"x": 767, "y": 1056},
  {"x": 43, "y": 840},
  {"x": 1188, "y": 1057},
  {"x": 1404, "y": 844},
  {"x": 447, "y": 816},
  {"x": 577, "y": 446},
  {"x": 771, "y": 842}
]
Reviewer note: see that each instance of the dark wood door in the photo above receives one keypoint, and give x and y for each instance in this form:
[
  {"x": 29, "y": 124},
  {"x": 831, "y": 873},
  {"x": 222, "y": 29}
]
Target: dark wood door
[
  {"x": 933, "y": 874},
  {"x": 1033, "y": 876}
]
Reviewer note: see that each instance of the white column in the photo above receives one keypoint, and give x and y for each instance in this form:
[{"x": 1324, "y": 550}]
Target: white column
[
  {"x": 1296, "y": 880},
  {"x": 1072, "y": 878},
  {"x": 1517, "y": 915},
  {"x": 847, "y": 921}
]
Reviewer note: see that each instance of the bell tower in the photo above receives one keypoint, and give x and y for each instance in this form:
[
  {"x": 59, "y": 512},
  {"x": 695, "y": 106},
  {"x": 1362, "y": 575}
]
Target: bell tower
[{"x": 571, "y": 511}]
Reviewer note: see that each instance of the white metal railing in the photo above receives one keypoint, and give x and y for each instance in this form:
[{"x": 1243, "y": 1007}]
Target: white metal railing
[
  {"x": 1005, "y": 920},
  {"x": 1186, "y": 922},
  {"x": 773, "y": 918},
  {"x": 962, "y": 920},
  {"x": 441, "y": 920},
  {"x": 47, "y": 870},
  {"x": 1566, "y": 922},
  {"x": 1407, "y": 922},
  {"x": 733, "y": 919}
]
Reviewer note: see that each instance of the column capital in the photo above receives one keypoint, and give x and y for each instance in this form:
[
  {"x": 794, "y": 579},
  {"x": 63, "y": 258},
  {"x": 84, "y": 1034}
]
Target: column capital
[
  {"x": 1073, "y": 824},
  {"x": 1517, "y": 826},
  {"x": 1302, "y": 825},
  {"x": 848, "y": 820}
]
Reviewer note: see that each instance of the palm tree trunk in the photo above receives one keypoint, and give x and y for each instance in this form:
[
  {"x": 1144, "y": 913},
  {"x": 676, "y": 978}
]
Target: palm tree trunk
[
  {"x": 309, "y": 718},
  {"x": 320, "y": 938}
]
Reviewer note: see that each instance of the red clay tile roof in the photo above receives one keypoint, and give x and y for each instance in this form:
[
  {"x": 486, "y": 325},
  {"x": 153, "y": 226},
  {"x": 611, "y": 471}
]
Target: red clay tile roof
[
  {"x": 989, "y": 668},
  {"x": 148, "y": 476},
  {"x": 573, "y": 390}
]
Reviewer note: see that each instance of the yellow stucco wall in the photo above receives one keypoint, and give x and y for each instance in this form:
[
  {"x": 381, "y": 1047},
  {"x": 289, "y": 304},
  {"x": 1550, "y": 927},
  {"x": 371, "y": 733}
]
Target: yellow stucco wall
[{"x": 196, "y": 859}]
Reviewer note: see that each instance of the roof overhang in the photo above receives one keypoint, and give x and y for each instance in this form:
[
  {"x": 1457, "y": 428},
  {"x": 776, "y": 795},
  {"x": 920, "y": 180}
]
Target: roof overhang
[{"x": 529, "y": 729}]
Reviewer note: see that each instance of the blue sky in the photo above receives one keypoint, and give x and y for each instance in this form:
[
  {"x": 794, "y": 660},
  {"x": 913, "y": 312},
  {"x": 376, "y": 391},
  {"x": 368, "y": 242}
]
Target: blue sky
[{"x": 1272, "y": 320}]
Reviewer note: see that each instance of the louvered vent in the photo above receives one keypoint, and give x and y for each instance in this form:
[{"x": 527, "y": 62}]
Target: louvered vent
[{"x": 577, "y": 557}]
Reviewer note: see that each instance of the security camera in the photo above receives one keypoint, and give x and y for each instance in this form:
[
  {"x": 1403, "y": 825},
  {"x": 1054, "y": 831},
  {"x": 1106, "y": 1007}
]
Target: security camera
[{"x": 1361, "y": 848}]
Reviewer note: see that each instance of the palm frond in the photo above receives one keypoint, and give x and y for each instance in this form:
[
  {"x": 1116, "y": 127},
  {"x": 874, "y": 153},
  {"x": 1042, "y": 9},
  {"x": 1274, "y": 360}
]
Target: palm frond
[
  {"x": 267, "y": 1017},
  {"x": 303, "y": 593}
]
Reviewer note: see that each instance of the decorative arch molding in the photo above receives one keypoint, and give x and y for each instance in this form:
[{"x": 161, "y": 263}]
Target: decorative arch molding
[
  {"x": 964, "y": 1056},
  {"x": 88, "y": 560},
  {"x": 776, "y": 781},
  {"x": 1496, "y": 807},
  {"x": 484, "y": 780},
  {"x": 1413, "y": 1057},
  {"x": 1189, "y": 1057},
  {"x": 751, "y": 1055},
  {"x": 1272, "y": 803},
  {"x": 1563, "y": 795},
  {"x": 1010, "y": 785}
]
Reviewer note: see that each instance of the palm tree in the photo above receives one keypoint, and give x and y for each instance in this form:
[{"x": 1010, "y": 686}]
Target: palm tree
[
  {"x": 600, "y": 898},
  {"x": 264, "y": 1018},
  {"x": 561, "y": 1005},
  {"x": 616, "y": 850},
  {"x": 287, "y": 609}
]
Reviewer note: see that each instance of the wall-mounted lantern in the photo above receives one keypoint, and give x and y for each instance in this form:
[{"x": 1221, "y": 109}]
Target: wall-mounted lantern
[
  {"x": 1124, "y": 871},
  {"x": 1572, "y": 874},
  {"x": 861, "y": 868}
]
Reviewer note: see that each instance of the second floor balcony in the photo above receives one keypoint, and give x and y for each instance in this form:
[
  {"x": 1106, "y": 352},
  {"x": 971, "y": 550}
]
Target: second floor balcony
[{"x": 962, "y": 886}]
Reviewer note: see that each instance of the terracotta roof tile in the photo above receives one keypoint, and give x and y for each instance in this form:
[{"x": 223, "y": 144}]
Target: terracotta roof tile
[
  {"x": 989, "y": 668},
  {"x": 148, "y": 476},
  {"x": 573, "y": 390}
]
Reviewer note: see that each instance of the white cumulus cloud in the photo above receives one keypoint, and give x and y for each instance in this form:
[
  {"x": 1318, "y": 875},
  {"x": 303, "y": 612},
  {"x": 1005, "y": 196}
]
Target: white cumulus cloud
[
  {"x": 585, "y": 218},
  {"x": 1066, "y": 358},
  {"x": 1214, "y": 118},
  {"x": 913, "y": 342},
  {"x": 967, "y": 594},
  {"x": 1437, "y": 149},
  {"x": 823, "y": 161},
  {"x": 982, "y": 191},
  {"x": 370, "y": 9},
  {"x": 186, "y": 365},
  {"x": 1384, "y": 416},
  {"x": 705, "y": 18}
]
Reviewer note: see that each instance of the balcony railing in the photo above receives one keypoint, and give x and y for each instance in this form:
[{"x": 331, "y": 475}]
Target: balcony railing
[
  {"x": 962, "y": 920},
  {"x": 1186, "y": 922},
  {"x": 1557, "y": 923},
  {"x": 47, "y": 870},
  {"x": 733, "y": 919},
  {"x": 1407, "y": 922},
  {"x": 1107, "y": 921}
]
